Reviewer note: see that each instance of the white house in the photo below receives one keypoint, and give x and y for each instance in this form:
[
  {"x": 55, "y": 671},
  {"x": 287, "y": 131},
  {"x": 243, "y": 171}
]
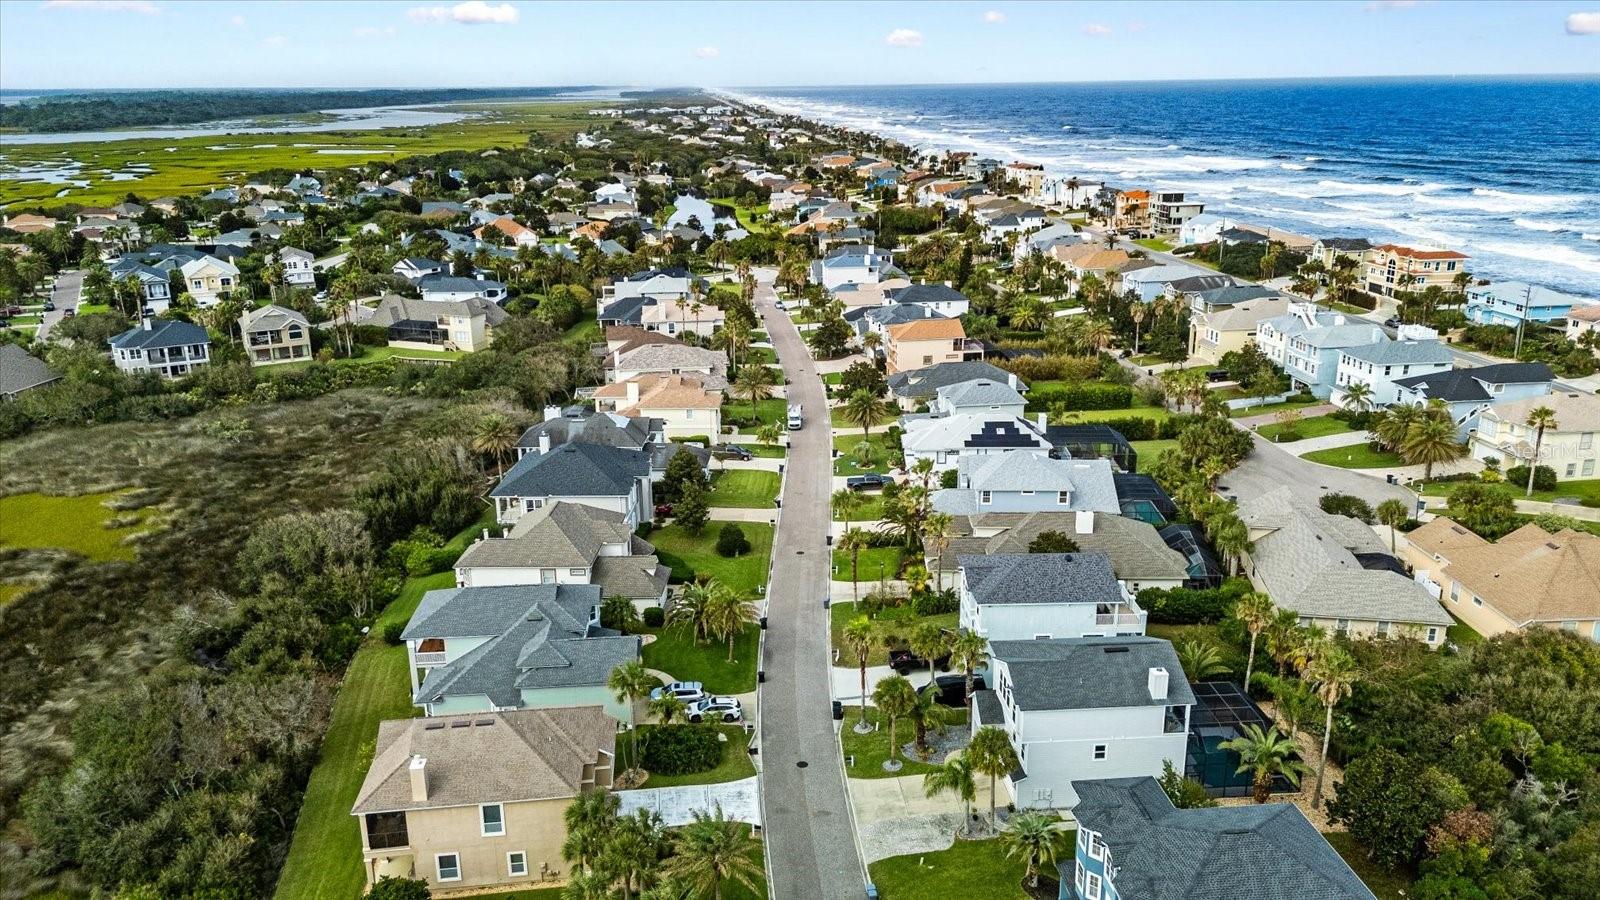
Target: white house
[
  {"x": 610, "y": 478},
  {"x": 1028, "y": 481},
  {"x": 168, "y": 347},
  {"x": 855, "y": 264},
  {"x": 682, "y": 403},
  {"x": 297, "y": 267},
  {"x": 1034, "y": 596},
  {"x": 980, "y": 396},
  {"x": 1085, "y": 708},
  {"x": 947, "y": 439},
  {"x": 444, "y": 288},
  {"x": 1380, "y": 366},
  {"x": 940, "y": 298}
]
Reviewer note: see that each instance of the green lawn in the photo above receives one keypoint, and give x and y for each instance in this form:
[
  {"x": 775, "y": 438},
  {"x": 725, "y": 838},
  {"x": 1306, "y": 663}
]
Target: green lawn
[
  {"x": 1316, "y": 426},
  {"x": 1101, "y": 415},
  {"x": 691, "y": 556},
  {"x": 898, "y": 621},
  {"x": 10, "y": 591},
  {"x": 746, "y": 215},
  {"x": 1156, "y": 244},
  {"x": 871, "y": 750},
  {"x": 976, "y": 870},
  {"x": 764, "y": 355},
  {"x": 833, "y": 378},
  {"x": 1150, "y": 451},
  {"x": 1387, "y": 884},
  {"x": 1268, "y": 409},
  {"x": 324, "y": 861},
  {"x": 845, "y": 464},
  {"x": 767, "y": 451},
  {"x": 871, "y": 508},
  {"x": 76, "y": 524},
  {"x": 773, "y": 409},
  {"x": 839, "y": 419},
  {"x": 675, "y": 652},
  {"x": 744, "y": 488},
  {"x": 871, "y": 564},
  {"x": 735, "y": 763},
  {"x": 1359, "y": 456},
  {"x": 584, "y": 331},
  {"x": 1586, "y": 490}
]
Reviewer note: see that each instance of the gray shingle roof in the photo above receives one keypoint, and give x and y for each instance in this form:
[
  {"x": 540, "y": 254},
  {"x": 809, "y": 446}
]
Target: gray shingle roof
[
  {"x": 583, "y": 425},
  {"x": 980, "y": 392},
  {"x": 1136, "y": 549},
  {"x": 161, "y": 333},
  {"x": 558, "y": 534},
  {"x": 575, "y": 470},
  {"x": 1460, "y": 385},
  {"x": 1266, "y": 852},
  {"x": 1018, "y": 578},
  {"x": 393, "y": 308},
  {"x": 440, "y": 283},
  {"x": 1090, "y": 673},
  {"x": 20, "y": 371},
  {"x": 1401, "y": 353},
  {"x": 270, "y": 318},
  {"x": 926, "y": 382},
  {"x": 1089, "y": 481}
]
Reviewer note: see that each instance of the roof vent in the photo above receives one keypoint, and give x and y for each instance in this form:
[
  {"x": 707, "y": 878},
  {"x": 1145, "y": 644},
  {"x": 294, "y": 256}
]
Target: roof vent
[
  {"x": 433, "y": 726},
  {"x": 461, "y": 723},
  {"x": 1116, "y": 649},
  {"x": 482, "y": 722}
]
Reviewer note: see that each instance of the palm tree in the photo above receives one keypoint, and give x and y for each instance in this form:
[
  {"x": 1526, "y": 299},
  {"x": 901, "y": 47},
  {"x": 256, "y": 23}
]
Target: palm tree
[
  {"x": 1538, "y": 419},
  {"x": 1028, "y": 314},
  {"x": 588, "y": 818},
  {"x": 667, "y": 708},
  {"x": 1255, "y": 611},
  {"x": 689, "y": 610},
  {"x": 864, "y": 410},
  {"x": 1266, "y": 754},
  {"x": 1392, "y": 513},
  {"x": 712, "y": 850},
  {"x": 938, "y": 530},
  {"x": 755, "y": 382},
  {"x": 1393, "y": 426},
  {"x": 1200, "y": 659},
  {"x": 590, "y": 885},
  {"x": 769, "y": 433},
  {"x": 618, "y": 612},
  {"x": 1334, "y": 673},
  {"x": 630, "y": 683},
  {"x": 1358, "y": 396},
  {"x": 1137, "y": 313},
  {"x": 1430, "y": 441},
  {"x": 846, "y": 503},
  {"x": 930, "y": 642},
  {"x": 871, "y": 341},
  {"x": 860, "y": 637},
  {"x": 853, "y": 542},
  {"x": 1283, "y": 635},
  {"x": 1035, "y": 837},
  {"x": 955, "y": 776},
  {"x": 992, "y": 754},
  {"x": 968, "y": 651},
  {"x": 895, "y": 698},
  {"x": 1231, "y": 537},
  {"x": 926, "y": 712},
  {"x": 728, "y": 614},
  {"x": 633, "y": 852}
]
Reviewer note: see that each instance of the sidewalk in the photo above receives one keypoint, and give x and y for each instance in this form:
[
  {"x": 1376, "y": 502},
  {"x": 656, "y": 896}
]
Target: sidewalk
[{"x": 1325, "y": 442}]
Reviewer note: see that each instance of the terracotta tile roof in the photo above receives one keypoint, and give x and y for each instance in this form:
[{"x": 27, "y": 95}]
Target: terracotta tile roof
[
  {"x": 1589, "y": 313},
  {"x": 1530, "y": 575},
  {"x": 509, "y": 227},
  {"x": 1398, "y": 250},
  {"x": 928, "y": 330},
  {"x": 663, "y": 392},
  {"x": 1136, "y": 195}
]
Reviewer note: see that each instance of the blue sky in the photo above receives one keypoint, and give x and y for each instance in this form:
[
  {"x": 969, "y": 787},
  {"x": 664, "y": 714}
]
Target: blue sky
[{"x": 189, "y": 43}]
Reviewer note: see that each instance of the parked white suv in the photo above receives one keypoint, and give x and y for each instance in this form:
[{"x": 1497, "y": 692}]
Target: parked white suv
[
  {"x": 726, "y": 709},
  {"x": 687, "y": 691}
]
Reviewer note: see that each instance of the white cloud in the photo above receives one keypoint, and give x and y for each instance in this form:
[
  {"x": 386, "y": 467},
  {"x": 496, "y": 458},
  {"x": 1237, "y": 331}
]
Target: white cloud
[
  {"x": 994, "y": 17},
  {"x": 236, "y": 21},
  {"x": 904, "y": 37},
  {"x": 1095, "y": 29},
  {"x": 143, "y": 7},
  {"x": 274, "y": 40},
  {"x": 472, "y": 12},
  {"x": 372, "y": 31},
  {"x": 707, "y": 52},
  {"x": 1583, "y": 23}
]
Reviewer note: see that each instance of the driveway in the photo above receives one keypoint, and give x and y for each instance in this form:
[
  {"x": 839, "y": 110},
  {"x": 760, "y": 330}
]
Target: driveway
[
  {"x": 65, "y": 294},
  {"x": 810, "y": 838},
  {"x": 1269, "y": 467},
  {"x": 897, "y": 818}
]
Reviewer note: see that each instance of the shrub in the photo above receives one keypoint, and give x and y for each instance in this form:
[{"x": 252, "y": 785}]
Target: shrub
[
  {"x": 1082, "y": 397},
  {"x": 947, "y": 478},
  {"x": 731, "y": 541},
  {"x": 682, "y": 750},
  {"x": 392, "y": 632},
  {"x": 934, "y": 603},
  {"x": 1337, "y": 504},
  {"x": 1190, "y": 606},
  {"x": 392, "y": 888},
  {"x": 654, "y": 617},
  {"x": 1544, "y": 477}
]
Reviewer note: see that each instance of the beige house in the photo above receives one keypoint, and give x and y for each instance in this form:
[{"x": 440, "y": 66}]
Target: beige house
[
  {"x": 208, "y": 278},
  {"x": 1387, "y": 264},
  {"x": 468, "y": 802},
  {"x": 1570, "y": 448},
  {"x": 1214, "y": 334},
  {"x": 928, "y": 342},
  {"x": 1583, "y": 320},
  {"x": 273, "y": 334},
  {"x": 466, "y": 325},
  {"x": 684, "y": 403},
  {"x": 1528, "y": 579},
  {"x": 672, "y": 315}
]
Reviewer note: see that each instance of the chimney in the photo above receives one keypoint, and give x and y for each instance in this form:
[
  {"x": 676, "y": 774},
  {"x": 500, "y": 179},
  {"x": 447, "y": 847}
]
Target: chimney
[
  {"x": 1158, "y": 683},
  {"x": 633, "y": 391},
  {"x": 146, "y": 322},
  {"x": 552, "y": 411},
  {"x": 544, "y": 442},
  {"x": 1083, "y": 522},
  {"x": 419, "y": 777},
  {"x": 1041, "y": 420}
]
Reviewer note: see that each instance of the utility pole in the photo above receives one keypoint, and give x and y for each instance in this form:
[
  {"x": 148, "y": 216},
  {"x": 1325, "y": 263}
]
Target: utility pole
[{"x": 1522, "y": 321}]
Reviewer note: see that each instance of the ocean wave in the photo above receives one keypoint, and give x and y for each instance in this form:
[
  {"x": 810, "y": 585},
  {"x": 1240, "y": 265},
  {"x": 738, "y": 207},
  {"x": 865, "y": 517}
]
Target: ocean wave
[
  {"x": 1544, "y": 201},
  {"x": 1547, "y": 253},
  {"x": 1341, "y": 188},
  {"x": 1503, "y": 202},
  {"x": 1293, "y": 167},
  {"x": 1531, "y": 225},
  {"x": 1590, "y": 237}
]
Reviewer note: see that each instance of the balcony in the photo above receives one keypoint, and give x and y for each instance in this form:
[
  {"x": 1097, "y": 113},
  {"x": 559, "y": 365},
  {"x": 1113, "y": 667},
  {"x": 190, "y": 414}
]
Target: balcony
[
  {"x": 386, "y": 831},
  {"x": 1122, "y": 616},
  {"x": 432, "y": 658}
]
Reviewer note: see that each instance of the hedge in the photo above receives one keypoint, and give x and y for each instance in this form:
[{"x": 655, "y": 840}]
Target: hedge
[
  {"x": 1189, "y": 606},
  {"x": 1082, "y": 396},
  {"x": 682, "y": 750}
]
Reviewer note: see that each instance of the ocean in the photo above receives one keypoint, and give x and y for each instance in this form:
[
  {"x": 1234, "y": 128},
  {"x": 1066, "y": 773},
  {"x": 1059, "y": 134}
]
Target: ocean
[{"x": 1506, "y": 170}]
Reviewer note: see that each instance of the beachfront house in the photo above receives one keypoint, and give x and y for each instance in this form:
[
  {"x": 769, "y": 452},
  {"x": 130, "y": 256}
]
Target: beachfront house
[
  {"x": 1387, "y": 267},
  {"x": 1514, "y": 303}
]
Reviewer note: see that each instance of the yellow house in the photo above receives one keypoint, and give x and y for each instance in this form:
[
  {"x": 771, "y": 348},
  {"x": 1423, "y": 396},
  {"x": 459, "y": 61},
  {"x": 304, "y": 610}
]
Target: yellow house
[
  {"x": 1387, "y": 264},
  {"x": 1528, "y": 579},
  {"x": 476, "y": 801},
  {"x": 928, "y": 342}
]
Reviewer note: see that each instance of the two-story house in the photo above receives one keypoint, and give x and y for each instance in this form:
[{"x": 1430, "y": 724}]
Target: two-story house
[
  {"x": 168, "y": 347},
  {"x": 208, "y": 278},
  {"x": 1140, "y": 557},
  {"x": 853, "y": 264},
  {"x": 1133, "y": 844},
  {"x": 1034, "y": 596},
  {"x": 1381, "y": 366},
  {"x": 569, "y": 543},
  {"x": 1149, "y": 283},
  {"x": 910, "y": 388},
  {"x": 683, "y": 404},
  {"x": 442, "y": 288},
  {"x": 583, "y": 425},
  {"x": 669, "y": 358},
  {"x": 1512, "y": 303},
  {"x": 1228, "y": 328},
  {"x": 612, "y": 478},
  {"x": 1307, "y": 342},
  {"x": 466, "y": 325},
  {"x": 681, "y": 315},
  {"x": 298, "y": 271},
  {"x": 155, "y": 287},
  {"x": 916, "y": 345},
  {"x": 940, "y": 298},
  {"x": 1027, "y": 480},
  {"x": 416, "y": 268},
  {"x": 531, "y": 646},
  {"x": 275, "y": 334},
  {"x": 947, "y": 439},
  {"x": 1085, "y": 708},
  {"x": 1466, "y": 393},
  {"x": 1569, "y": 447},
  {"x": 1388, "y": 265},
  {"x": 478, "y": 801},
  {"x": 980, "y": 396}
]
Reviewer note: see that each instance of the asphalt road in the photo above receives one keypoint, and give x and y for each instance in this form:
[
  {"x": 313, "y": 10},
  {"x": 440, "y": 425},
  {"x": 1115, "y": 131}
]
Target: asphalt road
[
  {"x": 811, "y": 846},
  {"x": 1268, "y": 468},
  {"x": 65, "y": 296}
]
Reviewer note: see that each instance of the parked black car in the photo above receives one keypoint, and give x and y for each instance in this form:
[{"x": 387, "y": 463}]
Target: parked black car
[
  {"x": 1216, "y": 375},
  {"x": 1391, "y": 322},
  {"x": 867, "y": 482},
  {"x": 733, "y": 451},
  {"x": 951, "y": 689},
  {"x": 904, "y": 661}
]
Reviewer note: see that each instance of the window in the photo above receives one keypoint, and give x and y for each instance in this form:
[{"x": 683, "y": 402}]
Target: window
[
  {"x": 1091, "y": 888},
  {"x": 1586, "y": 441},
  {"x": 1341, "y": 625},
  {"x": 493, "y": 816},
  {"x": 1063, "y": 497},
  {"x": 1569, "y": 626},
  {"x": 577, "y": 573},
  {"x": 1588, "y": 467},
  {"x": 1097, "y": 847},
  {"x": 1455, "y": 592},
  {"x": 1477, "y": 601},
  {"x": 516, "y": 863},
  {"x": 927, "y": 360},
  {"x": 1433, "y": 634},
  {"x": 1572, "y": 469},
  {"x": 1041, "y": 637},
  {"x": 985, "y": 497},
  {"x": 448, "y": 866},
  {"x": 1383, "y": 629},
  {"x": 1099, "y": 751},
  {"x": 547, "y": 576},
  {"x": 1043, "y": 795}
]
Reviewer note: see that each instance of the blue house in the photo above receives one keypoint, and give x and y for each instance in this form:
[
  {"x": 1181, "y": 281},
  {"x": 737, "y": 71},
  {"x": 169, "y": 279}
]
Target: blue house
[
  {"x": 1513, "y": 302},
  {"x": 1133, "y": 843},
  {"x": 1468, "y": 392}
]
